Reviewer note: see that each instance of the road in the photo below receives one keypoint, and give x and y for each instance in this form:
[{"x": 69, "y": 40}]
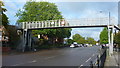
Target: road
[{"x": 80, "y": 56}]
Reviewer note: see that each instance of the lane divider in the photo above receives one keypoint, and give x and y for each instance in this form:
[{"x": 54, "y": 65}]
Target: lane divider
[
  {"x": 33, "y": 61},
  {"x": 86, "y": 61}
]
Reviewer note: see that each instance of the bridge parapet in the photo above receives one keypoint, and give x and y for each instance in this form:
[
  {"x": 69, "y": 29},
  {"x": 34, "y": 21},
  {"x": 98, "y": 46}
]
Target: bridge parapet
[
  {"x": 66, "y": 23},
  {"x": 43, "y": 24}
]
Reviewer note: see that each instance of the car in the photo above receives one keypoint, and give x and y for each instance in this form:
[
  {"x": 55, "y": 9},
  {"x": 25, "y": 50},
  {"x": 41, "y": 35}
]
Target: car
[
  {"x": 73, "y": 45},
  {"x": 86, "y": 45},
  {"x": 80, "y": 45},
  {"x": 90, "y": 45}
]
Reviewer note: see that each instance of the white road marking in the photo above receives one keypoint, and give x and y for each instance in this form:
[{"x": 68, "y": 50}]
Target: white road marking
[
  {"x": 25, "y": 63},
  {"x": 33, "y": 61},
  {"x": 18, "y": 64},
  {"x": 88, "y": 59},
  {"x": 50, "y": 57},
  {"x": 80, "y": 66}
]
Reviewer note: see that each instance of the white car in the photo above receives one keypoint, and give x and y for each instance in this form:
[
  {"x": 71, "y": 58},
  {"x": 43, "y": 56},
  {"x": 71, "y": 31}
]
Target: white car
[
  {"x": 72, "y": 46},
  {"x": 80, "y": 45}
]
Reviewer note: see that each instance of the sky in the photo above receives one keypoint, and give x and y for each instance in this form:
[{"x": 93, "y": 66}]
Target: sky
[{"x": 72, "y": 10}]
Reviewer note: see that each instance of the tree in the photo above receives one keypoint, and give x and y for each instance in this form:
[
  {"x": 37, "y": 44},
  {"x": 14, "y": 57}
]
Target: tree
[
  {"x": 90, "y": 40},
  {"x": 3, "y": 17},
  {"x": 13, "y": 36},
  {"x": 104, "y": 36},
  {"x": 69, "y": 41},
  {"x": 79, "y": 39},
  {"x": 40, "y": 11},
  {"x": 117, "y": 38}
]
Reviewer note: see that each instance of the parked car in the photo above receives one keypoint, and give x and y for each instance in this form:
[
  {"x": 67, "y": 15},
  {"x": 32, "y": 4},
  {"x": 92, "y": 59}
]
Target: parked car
[
  {"x": 80, "y": 45},
  {"x": 86, "y": 45},
  {"x": 73, "y": 45}
]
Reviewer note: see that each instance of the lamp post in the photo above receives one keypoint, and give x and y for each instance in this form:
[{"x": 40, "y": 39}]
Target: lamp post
[
  {"x": 110, "y": 36},
  {"x": 110, "y": 39}
]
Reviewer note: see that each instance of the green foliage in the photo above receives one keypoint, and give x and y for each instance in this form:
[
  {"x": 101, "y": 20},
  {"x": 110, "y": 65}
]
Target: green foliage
[
  {"x": 104, "y": 36},
  {"x": 3, "y": 17},
  {"x": 40, "y": 11},
  {"x": 90, "y": 40},
  {"x": 69, "y": 41},
  {"x": 76, "y": 37},
  {"x": 13, "y": 36},
  {"x": 117, "y": 38},
  {"x": 79, "y": 39}
]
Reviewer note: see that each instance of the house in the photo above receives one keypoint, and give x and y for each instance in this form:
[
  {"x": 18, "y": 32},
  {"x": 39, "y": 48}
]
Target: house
[
  {"x": 3, "y": 34},
  {"x": 4, "y": 39}
]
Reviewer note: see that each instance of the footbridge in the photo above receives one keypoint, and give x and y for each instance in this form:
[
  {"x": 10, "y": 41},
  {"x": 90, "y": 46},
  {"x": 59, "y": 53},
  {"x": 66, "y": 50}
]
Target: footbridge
[
  {"x": 68, "y": 23},
  {"x": 26, "y": 27}
]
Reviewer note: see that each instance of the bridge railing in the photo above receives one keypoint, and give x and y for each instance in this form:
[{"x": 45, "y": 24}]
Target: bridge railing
[
  {"x": 67, "y": 22},
  {"x": 91, "y": 21},
  {"x": 43, "y": 24}
]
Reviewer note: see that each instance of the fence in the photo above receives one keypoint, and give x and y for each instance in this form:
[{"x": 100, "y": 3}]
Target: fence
[{"x": 99, "y": 62}]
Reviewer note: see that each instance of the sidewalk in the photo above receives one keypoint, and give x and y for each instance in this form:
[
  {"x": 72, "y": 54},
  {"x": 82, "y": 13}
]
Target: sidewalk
[{"x": 113, "y": 61}]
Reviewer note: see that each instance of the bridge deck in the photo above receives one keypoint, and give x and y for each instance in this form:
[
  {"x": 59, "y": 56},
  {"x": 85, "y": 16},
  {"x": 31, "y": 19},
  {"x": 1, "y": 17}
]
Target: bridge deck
[{"x": 78, "y": 23}]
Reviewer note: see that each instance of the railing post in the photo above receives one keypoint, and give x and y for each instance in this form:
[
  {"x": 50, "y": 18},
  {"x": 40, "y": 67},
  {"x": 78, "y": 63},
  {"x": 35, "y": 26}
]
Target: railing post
[
  {"x": 49, "y": 23},
  {"x": 42, "y": 24},
  {"x": 52, "y": 23},
  {"x": 39, "y": 24},
  {"x": 36, "y": 24},
  {"x": 45, "y": 24},
  {"x": 59, "y": 23}
]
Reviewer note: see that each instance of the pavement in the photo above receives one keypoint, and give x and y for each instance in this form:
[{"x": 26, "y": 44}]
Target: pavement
[{"x": 113, "y": 61}]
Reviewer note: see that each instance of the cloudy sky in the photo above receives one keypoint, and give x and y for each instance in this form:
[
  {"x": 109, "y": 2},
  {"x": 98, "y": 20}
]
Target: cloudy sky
[{"x": 73, "y": 10}]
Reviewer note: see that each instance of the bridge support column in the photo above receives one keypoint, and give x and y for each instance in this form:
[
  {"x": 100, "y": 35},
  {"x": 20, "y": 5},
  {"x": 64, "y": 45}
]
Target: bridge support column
[
  {"x": 27, "y": 39},
  {"x": 110, "y": 39}
]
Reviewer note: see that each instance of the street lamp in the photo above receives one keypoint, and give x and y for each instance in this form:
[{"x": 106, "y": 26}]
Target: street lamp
[{"x": 108, "y": 26}]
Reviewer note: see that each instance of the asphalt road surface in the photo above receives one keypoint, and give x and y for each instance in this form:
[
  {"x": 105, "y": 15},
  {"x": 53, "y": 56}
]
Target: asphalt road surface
[{"x": 80, "y": 56}]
